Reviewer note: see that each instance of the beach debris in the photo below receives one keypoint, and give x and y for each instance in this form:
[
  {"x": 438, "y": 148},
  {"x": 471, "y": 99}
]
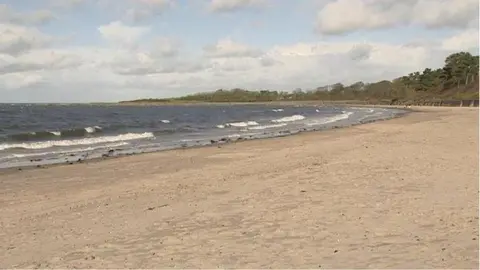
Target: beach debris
[
  {"x": 226, "y": 140},
  {"x": 154, "y": 207},
  {"x": 335, "y": 251},
  {"x": 213, "y": 141},
  {"x": 303, "y": 191}
]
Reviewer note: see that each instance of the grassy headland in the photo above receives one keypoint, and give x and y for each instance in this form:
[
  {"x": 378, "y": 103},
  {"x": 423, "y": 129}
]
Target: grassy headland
[{"x": 458, "y": 79}]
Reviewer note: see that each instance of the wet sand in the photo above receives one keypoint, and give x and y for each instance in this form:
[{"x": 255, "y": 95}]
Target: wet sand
[{"x": 401, "y": 193}]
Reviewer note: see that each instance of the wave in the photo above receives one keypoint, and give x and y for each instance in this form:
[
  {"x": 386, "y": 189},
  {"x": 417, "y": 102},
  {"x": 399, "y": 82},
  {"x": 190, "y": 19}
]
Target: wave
[
  {"x": 84, "y": 141},
  {"x": 92, "y": 129},
  {"x": 345, "y": 115},
  {"x": 70, "y": 151},
  {"x": 165, "y": 121},
  {"x": 238, "y": 124},
  {"x": 267, "y": 126},
  {"x": 277, "y": 110},
  {"x": 292, "y": 118},
  {"x": 45, "y": 135}
]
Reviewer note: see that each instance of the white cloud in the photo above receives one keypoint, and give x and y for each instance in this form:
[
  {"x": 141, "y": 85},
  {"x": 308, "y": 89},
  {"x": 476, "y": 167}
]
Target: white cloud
[
  {"x": 10, "y": 16},
  {"x": 141, "y": 10},
  {"x": 15, "y": 81},
  {"x": 343, "y": 16},
  {"x": 234, "y": 5},
  {"x": 66, "y": 4},
  {"x": 230, "y": 48},
  {"x": 15, "y": 39},
  {"x": 124, "y": 73},
  {"x": 466, "y": 40},
  {"x": 121, "y": 34},
  {"x": 137, "y": 61}
]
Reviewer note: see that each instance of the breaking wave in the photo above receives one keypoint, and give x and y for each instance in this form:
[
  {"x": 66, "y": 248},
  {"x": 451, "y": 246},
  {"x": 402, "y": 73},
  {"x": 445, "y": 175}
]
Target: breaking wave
[
  {"x": 84, "y": 141},
  {"x": 327, "y": 120},
  {"x": 267, "y": 126},
  {"x": 45, "y": 135},
  {"x": 292, "y": 118},
  {"x": 238, "y": 124}
]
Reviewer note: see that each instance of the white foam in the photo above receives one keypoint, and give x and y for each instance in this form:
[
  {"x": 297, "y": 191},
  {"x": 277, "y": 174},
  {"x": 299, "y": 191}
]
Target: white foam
[
  {"x": 56, "y": 133},
  {"x": 85, "y": 141},
  {"x": 277, "y": 110},
  {"x": 166, "y": 121},
  {"x": 220, "y": 126},
  {"x": 76, "y": 150},
  {"x": 331, "y": 119},
  {"x": 268, "y": 126},
  {"x": 289, "y": 118},
  {"x": 241, "y": 135},
  {"x": 241, "y": 124}
]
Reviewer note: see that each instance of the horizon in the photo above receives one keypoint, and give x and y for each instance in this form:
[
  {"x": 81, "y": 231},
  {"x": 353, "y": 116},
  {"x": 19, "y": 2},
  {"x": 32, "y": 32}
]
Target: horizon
[{"x": 95, "y": 51}]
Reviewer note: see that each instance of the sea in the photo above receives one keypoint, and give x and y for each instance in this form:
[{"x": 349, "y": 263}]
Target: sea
[{"x": 42, "y": 134}]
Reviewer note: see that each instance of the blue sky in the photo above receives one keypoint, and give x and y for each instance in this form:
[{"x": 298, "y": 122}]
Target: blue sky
[{"x": 171, "y": 48}]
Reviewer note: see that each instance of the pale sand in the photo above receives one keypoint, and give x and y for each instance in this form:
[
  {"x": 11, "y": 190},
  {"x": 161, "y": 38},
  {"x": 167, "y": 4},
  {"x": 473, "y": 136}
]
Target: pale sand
[{"x": 400, "y": 193}]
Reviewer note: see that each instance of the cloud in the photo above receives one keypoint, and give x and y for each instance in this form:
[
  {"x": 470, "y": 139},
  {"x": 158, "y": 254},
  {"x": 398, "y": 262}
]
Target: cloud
[
  {"x": 222, "y": 6},
  {"x": 360, "y": 52},
  {"x": 141, "y": 10},
  {"x": 10, "y": 16},
  {"x": 466, "y": 40},
  {"x": 118, "y": 33},
  {"x": 66, "y": 4},
  {"x": 165, "y": 47},
  {"x": 123, "y": 59},
  {"x": 229, "y": 48},
  {"x": 16, "y": 40},
  {"x": 344, "y": 16}
]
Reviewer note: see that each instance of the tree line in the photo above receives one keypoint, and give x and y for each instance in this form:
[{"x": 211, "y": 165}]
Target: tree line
[{"x": 458, "y": 79}]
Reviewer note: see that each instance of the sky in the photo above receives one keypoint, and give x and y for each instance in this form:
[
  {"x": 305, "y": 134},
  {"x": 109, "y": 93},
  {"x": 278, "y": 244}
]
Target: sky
[{"x": 112, "y": 50}]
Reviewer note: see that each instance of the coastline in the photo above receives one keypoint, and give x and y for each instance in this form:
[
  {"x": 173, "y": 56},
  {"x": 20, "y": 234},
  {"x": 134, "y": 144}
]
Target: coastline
[
  {"x": 215, "y": 143},
  {"x": 401, "y": 193}
]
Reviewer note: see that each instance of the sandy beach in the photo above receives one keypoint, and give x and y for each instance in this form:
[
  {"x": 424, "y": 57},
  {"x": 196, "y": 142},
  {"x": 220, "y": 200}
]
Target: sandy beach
[{"x": 401, "y": 193}]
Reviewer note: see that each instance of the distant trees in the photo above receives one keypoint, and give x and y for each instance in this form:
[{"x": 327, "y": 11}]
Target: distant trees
[{"x": 457, "y": 79}]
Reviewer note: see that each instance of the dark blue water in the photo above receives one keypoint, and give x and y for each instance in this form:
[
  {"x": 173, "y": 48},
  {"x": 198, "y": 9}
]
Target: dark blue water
[{"x": 44, "y": 134}]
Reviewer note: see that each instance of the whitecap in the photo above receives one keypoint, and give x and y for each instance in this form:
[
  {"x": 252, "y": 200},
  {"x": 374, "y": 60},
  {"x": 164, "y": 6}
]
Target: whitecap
[
  {"x": 327, "y": 120},
  {"x": 289, "y": 119},
  {"x": 268, "y": 126},
  {"x": 84, "y": 141},
  {"x": 241, "y": 124},
  {"x": 75, "y": 150}
]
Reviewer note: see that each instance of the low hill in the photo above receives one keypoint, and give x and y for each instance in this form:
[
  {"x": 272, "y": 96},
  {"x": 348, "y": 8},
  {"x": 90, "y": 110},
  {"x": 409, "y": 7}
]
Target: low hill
[{"x": 458, "y": 79}]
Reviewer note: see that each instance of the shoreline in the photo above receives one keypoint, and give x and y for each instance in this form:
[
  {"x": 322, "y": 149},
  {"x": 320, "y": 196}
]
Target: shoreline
[
  {"x": 218, "y": 143},
  {"x": 401, "y": 193}
]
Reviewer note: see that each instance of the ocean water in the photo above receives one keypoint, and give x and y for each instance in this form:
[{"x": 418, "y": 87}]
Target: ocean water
[{"x": 35, "y": 134}]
